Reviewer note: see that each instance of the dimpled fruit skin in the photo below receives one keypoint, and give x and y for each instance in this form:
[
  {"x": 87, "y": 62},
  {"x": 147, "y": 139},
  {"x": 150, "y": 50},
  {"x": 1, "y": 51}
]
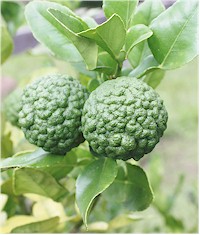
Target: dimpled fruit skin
[
  {"x": 51, "y": 113},
  {"x": 123, "y": 119},
  {"x": 12, "y": 106}
]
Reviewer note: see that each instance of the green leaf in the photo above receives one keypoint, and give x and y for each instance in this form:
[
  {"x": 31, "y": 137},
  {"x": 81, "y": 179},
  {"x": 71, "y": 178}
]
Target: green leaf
[
  {"x": 175, "y": 35},
  {"x": 138, "y": 54},
  {"x": 6, "y": 44},
  {"x": 110, "y": 35},
  {"x": 27, "y": 180},
  {"x": 16, "y": 221},
  {"x": 96, "y": 227},
  {"x": 43, "y": 226},
  {"x": 90, "y": 21},
  {"x": 145, "y": 13},
  {"x": 135, "y": 35},
  {"x": 56, "y": 165},
  {"x": 149, "y": 64},
  {"x": 156, "y": 172},
  {"x": 11, "y": 206},
  {"x": 47, "y": 208},
  {"x": 124, "y": 8},
  {"x": 154, "y": 78},
  {"x": 6, "y": 145},
  {"x": 95, "y": 178},
  {"x": 176, "y": 225},
  {"x": 105, "y": 63},
  {"x": 148, "y": 11},
  {"x": 45, "y": 31},
  {"x": 130, "y": 188},
  {"x": 70, "y": 26},
  {"x": 13, "y": 14},
  {"x": 6, "y": 187},
  {"x": 93, "y": 84}
]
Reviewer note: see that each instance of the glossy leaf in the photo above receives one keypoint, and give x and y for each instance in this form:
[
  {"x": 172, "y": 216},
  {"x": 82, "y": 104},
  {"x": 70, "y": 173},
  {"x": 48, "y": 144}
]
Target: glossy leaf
[
  {"x": 130, "y": 188},
  {"x": 43, "y": 226},
  {"x": 175, "y": 35},
  {"x": 149, "y": 64},
  {"x": 70, "y": 27},
  {"x": 154, "y": 78},
  {"x": 95, "y": 178},
  {"x": 56, "y": 165},
  {"x": 124, "y": 8},
  {"x": 6, "y": 44},
  {"x": 27, "y": 180},
  {"x": 45, "y": 31},
  {"x": 104, "y": 34},
  {"x": 147, "y": 11},
  {"x": 135, "y": 35}
]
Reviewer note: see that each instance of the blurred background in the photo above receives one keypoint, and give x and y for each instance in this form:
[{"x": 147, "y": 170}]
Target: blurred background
[{"x": 172, "y": 167}]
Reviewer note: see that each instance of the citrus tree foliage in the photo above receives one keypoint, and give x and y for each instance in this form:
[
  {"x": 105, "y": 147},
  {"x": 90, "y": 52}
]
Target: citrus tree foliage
[{"x": 152, "y": 39}]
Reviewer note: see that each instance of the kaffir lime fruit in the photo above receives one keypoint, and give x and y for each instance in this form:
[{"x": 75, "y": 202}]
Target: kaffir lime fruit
[
  {"x": 12, "y": 106},
  {"x": 123, "y": 118},
  {"x": 51, "y": 111}
]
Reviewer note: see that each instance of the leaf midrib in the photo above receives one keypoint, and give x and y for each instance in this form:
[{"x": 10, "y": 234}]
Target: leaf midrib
[
  {"x": 96, "y": 192},
  {"x": 177, "y": 37}
]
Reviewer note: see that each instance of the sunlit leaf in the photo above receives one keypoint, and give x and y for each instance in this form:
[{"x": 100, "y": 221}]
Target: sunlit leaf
[
  {"x": 43, "y": 226},
  {"x": 96, "y": 227},
  {"x": 48, "y": 208},
  {"x": 16, "y": 221}
]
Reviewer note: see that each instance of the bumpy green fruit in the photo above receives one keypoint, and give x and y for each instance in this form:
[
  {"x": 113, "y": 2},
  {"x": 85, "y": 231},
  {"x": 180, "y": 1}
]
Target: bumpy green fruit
[
  {"x": 12, "y": 106},
  {"x": 51, "y": 113},
  {"x": 123, "y": 119}
]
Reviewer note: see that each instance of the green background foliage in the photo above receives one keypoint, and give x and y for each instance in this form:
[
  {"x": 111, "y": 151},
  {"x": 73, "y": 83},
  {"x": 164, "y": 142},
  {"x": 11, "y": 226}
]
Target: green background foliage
[{"x": 42, "y": 192}]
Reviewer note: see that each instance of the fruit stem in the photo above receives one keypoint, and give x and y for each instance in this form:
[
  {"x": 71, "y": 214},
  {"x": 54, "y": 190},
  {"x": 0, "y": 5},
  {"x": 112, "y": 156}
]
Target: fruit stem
[{"x": 118, "y": 71}]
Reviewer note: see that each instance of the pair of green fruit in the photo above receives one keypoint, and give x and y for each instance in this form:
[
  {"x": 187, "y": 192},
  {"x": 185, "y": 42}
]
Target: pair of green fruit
[{"x": 122, "y": 119}]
